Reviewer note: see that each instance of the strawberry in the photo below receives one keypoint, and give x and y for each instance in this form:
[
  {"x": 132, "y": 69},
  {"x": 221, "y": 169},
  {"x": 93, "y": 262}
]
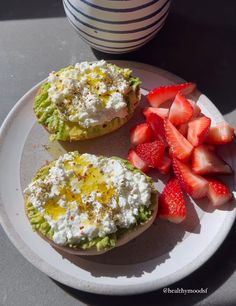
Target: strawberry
[
  {"x": 136, "y": 161},
  {"x": 183, "y": 129},
  {"x": 140, "y": 133},
  {"x": 195, "y": 185},
  {"x": 196, "y": 108},
  {"x": 164, "y": 167},
  {"x": 212, "y": 148},
  {"x": 181, "y": 111},
  {"x": 152, "y": 153},
  {"x": 220, "y": 134},
  {"x": 162, "y": 112},
  {"x": 218, "y": 193},
  {"x": 179, "y": 145},
  {"x": 171, "y": 205},
  {"x": 159, "y": 95},
  {"x": 157, "y": 125},
  {"x": 205, "y": 161},
  {"x": 198, "y": 130}
]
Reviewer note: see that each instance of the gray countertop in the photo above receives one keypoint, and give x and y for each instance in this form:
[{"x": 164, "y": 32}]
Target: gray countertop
[{"x": 198, "y": 43}]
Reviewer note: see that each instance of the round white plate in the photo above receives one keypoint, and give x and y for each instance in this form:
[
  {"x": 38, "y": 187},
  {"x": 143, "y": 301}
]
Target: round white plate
[{"x": 162, "y": 255}]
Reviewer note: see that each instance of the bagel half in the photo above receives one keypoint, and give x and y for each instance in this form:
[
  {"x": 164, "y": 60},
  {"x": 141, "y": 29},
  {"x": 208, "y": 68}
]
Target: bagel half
[
  {"x": 58, "y": 125},
  {"x": 102, "y": 241}
]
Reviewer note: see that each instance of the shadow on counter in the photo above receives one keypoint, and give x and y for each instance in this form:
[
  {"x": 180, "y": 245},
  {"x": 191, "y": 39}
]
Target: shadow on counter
[
  {"x": 27, "y": 9},
  {"x": 194, "y": 51}
]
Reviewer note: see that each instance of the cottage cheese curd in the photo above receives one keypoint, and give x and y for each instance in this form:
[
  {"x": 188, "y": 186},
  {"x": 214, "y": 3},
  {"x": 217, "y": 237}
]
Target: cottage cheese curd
[
  {"x": 85, "y": 196},
  {"x": 89, "y": 93}
]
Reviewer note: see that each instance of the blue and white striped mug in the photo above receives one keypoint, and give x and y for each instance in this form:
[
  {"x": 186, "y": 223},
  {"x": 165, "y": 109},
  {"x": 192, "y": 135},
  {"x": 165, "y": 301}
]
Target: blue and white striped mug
[{"x": 117, "y": 26}]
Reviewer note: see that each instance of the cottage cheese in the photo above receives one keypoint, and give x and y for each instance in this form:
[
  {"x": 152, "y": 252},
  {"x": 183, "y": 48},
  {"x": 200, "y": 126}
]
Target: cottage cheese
[
  {"x": 85, "y": 196},
  {"x": 89, "y": 93}
]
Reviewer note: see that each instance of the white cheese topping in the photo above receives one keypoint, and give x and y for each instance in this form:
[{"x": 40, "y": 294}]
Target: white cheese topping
[
  {"x": 89, "y": 93},
  {"x": 85, "y": 196}
]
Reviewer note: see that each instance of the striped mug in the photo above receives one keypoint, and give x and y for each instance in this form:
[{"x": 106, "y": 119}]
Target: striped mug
[{"x": 117, "y": 26}]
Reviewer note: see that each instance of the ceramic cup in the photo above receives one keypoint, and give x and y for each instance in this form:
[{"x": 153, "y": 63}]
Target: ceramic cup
[{"x": 117, "y": 26}]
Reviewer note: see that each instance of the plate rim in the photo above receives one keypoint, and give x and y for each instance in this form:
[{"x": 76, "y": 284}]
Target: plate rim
[{"x": 87, "y": 286}]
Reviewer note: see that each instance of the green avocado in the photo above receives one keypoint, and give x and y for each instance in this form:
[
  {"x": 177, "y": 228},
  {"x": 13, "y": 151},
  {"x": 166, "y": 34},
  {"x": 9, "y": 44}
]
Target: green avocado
[
  {"x": 39, "y": 223},
  {"x": 48, "y": 114}
]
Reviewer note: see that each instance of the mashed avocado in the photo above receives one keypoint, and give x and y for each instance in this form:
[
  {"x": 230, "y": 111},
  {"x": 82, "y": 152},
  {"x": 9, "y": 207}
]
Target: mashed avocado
[
  {"x": 51, "y": 117},
  {"x": 106, "y": 242}
]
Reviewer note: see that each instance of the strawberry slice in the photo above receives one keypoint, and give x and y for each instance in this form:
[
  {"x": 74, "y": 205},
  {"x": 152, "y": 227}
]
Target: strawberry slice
[
  {"x": 220, "y": 134},
  {"x": 198, "y": 130},
  {"x": 152, "y": 152},
  {"x": 164, "y": 167},
  {"x": 196, "y": 108},
  {"x": 205, "y": 161},
  {"x": 195, "y": 185},
  {"x": 136, "y": 161},
  {"x": 140, "y": 133},
  {"x": 218, "y": 193},
  {"x": 162, "y": 112},
  {"x": 212, "y": 148},
  {"x": 183, "y": 129},
  {"x": 157, "y": 125},
  {"x": 171, "y": 205},
  {"x": 159, "y": 95},
  {"x": 179, "y": 145},
  {"x": 181, "y": 111}
]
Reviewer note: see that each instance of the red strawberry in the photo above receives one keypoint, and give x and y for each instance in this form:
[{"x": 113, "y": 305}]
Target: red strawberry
[
  {"x": 220, "y": 134},
  {"x": 195, "y": 185},
  {"x": 171, "y": 205},
  {"x": 152, "y": 153},
  {"x": 162, "y": 112},
  {"x": 157, "y": 125},
  {"x": 162, "y": 94},
  {"x": 179, "y": 145},
  {"x": 212, "y": 148},
  {"x": 205, "y": 161},
  {"x": 140, "y": 133},
  {"x": 181, "y": 111},
  {"x": 136, "y": 161},
  {"x": 196, "y": 108},
  {"x": 198, "y": 130},
  {"x": 164, "y": 168},
  {"x": 218, "y": 193},
  {"x": 183, "y": 129}
]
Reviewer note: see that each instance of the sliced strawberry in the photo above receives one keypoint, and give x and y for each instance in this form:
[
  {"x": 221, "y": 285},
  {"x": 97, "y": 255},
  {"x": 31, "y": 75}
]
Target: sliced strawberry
[
  {"x": 162, "y": 112},
  {"x": 195, "y": 185},
  {"x": 218, "y": 193},
  {"x": 162, "y": 94},
  {"x": 136, "y": 161},
  {"x": 152, "y": 153},
  {"x": 171, "y": 205},
  {"x": 196, "y": 108},
  {"x": 212, "y": 148},
  {"x": 157, "y": 125},
  {"x": 179, "y": 145},
  {"x": 220, "y": 134},
  {"x": 198, "y": 130},
  {"x": 140, "y": 133},
  {"x": 205, "y": 161},
  {"x": 181, "y": 111},
  {"x": 183, "y": 129},
  {"x": 164, "y": 167}
]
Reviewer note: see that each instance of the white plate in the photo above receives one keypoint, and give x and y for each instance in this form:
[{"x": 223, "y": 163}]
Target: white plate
[{"x": 161, "y": 256}]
